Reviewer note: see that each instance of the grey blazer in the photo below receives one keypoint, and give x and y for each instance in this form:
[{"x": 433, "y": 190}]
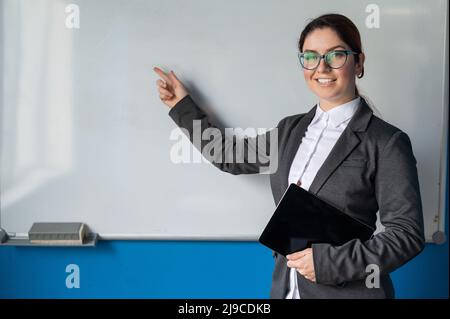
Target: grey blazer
[{"x": 371, "y": 168}]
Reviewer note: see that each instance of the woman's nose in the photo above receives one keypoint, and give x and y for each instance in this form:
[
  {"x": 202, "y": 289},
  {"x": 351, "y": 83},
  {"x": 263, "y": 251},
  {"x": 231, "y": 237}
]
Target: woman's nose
[{"x": 323, "y": 67}]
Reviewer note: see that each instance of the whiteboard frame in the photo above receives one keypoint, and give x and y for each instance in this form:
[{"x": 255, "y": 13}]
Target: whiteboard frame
[
  {"x": 444, "y": 146},
  {"x": 443, "y": 169}
]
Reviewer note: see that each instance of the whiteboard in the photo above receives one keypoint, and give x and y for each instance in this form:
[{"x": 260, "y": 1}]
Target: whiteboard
[{"x": 84, "y": 136}]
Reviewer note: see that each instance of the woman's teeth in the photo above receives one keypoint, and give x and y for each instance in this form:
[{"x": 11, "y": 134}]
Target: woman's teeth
[{"x": 324, "y": 81}]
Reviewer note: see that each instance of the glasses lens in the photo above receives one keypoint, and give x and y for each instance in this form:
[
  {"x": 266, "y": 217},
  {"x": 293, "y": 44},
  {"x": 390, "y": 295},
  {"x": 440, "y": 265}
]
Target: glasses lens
[
  {"x": 336, "y": 59},
  {"x": 309, "y": 60}
]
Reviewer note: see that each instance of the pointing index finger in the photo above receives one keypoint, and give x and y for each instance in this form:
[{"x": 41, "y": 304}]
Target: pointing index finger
[{"x": 162, "y": 74}]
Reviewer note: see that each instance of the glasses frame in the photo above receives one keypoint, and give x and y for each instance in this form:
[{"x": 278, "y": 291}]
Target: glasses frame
[{"x": 323, "y": 56}]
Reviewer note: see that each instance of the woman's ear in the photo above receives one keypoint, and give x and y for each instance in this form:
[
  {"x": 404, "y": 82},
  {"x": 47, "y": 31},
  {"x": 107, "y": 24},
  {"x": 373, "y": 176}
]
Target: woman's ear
[{"x": 359, "y": 67}]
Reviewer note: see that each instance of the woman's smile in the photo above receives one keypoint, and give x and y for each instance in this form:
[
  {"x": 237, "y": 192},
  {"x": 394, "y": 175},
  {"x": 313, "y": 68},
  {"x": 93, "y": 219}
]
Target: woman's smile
[{"x": 325, "y": 82}]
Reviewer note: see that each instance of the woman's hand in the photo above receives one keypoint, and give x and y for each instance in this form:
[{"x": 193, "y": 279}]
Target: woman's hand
[
  {"x": 171, "y": 90},
  {"x": 304, "y": 263}
]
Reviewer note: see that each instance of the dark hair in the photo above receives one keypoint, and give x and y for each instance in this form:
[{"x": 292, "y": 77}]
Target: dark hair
[{"x": 343, "y": 26}]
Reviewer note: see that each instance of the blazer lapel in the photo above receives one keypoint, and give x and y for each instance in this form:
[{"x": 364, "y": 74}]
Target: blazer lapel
[
  {"x": 344, "y": 145},
  {"x": 295, "y": 137}
]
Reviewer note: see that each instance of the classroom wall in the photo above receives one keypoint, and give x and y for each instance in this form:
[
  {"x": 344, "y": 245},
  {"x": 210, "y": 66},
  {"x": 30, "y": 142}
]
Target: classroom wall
[
  {"x": 175, "y": 269},
  {"x": 181, "y": 269}
]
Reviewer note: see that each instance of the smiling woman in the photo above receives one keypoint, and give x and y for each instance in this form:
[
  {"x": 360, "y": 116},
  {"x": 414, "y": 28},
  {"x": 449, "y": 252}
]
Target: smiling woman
[
  {"x": 344, "y": 154},
  {"x": 332, "y": 58}
]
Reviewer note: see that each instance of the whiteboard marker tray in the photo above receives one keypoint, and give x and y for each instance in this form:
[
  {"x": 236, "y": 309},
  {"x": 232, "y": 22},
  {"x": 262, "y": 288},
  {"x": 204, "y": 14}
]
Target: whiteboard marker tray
[{"x": 90, "y": 241}]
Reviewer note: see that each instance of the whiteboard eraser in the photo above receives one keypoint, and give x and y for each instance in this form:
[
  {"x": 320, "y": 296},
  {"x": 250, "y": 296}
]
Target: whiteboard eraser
[{"x": 57, "y": 233}]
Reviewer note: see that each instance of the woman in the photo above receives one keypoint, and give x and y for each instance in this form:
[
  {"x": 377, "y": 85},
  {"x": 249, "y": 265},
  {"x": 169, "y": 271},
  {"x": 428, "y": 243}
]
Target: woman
[{"x": 341, "y": 152}]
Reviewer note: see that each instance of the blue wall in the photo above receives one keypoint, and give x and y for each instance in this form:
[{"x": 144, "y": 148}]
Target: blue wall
[
  {"x": 140, "y": 269},
  {"x": 172, "y": 269},
  {"x": 143, "y": 269}
]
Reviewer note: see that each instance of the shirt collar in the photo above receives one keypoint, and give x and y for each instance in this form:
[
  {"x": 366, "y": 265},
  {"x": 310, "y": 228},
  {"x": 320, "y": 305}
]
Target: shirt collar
[{"x": 338, "y": 114}]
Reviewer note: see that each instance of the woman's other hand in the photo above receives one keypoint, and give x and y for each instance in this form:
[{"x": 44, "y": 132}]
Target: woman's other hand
[
  {"x": 171, "y": 90},
  {"x": 303, "y": 262}
]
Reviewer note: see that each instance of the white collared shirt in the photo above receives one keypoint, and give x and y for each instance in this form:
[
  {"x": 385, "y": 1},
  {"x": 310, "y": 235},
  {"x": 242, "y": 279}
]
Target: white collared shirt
[{"x": 320, "y": 137}]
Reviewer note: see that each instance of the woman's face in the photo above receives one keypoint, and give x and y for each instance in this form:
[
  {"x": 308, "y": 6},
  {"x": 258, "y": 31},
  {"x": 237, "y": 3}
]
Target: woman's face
[{"x": 341, "y": 89}]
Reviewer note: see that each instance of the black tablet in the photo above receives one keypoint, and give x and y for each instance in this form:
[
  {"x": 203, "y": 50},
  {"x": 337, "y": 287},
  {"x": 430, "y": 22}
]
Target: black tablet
[{"x": 301, "y": 219}]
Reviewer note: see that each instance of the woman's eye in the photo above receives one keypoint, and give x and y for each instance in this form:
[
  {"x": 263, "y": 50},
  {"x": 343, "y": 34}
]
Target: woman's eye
[
  {"x": 310, "y": 57},
  {"x": 331, "y": 56}
]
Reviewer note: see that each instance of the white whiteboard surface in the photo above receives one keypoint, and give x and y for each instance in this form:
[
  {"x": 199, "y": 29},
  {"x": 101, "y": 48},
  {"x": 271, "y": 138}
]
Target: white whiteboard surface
[{"x": 84, "y": 136}]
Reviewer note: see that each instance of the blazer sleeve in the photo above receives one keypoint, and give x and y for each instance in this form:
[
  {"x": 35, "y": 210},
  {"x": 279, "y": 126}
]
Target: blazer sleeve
[
  {"x": 400, "y": 208},
  {"x": 246, "y": 155}
]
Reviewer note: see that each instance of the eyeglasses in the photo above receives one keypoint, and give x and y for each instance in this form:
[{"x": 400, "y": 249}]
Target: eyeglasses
[{"x": 334, "y": 59}]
